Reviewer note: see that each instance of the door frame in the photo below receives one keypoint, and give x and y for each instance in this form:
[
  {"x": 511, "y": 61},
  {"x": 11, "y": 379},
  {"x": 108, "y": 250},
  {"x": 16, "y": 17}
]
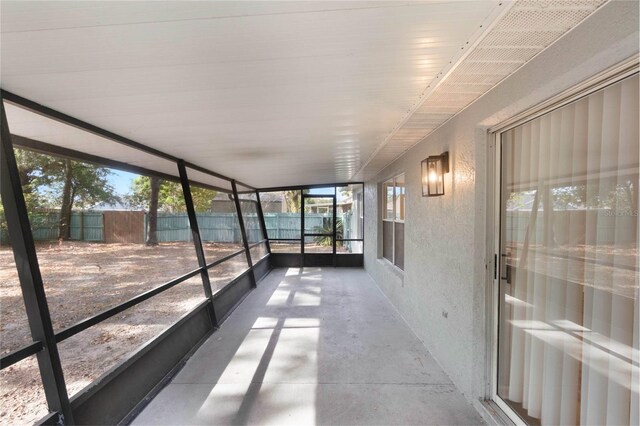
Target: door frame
[
  {"x": 606, "y": 78},
  {"x": 307, "y": 259}
]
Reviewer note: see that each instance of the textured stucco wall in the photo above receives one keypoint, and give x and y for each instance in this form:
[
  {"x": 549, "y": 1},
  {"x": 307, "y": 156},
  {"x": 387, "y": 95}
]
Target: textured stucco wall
[{"x": 441, "y": 293}]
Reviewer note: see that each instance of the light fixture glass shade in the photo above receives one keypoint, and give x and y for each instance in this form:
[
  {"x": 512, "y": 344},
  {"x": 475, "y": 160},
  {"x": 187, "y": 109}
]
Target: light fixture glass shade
[{"x": 433, "y": 169}]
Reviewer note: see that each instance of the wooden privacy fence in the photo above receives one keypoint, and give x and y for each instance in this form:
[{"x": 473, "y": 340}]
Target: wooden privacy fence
[
  {"x": 132, "y": 226},
  {"x": 223, "y": 227},
  {"x": 124, "y": 227},
  {"x": 287, "y": 225},
  {"x": 214, "y": 227},
  {"x": 85, "y": 226}
]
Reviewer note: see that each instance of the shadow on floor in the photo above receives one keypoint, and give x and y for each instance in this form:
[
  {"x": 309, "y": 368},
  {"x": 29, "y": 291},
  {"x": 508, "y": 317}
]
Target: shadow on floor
[{"x": 311, "y": 346}]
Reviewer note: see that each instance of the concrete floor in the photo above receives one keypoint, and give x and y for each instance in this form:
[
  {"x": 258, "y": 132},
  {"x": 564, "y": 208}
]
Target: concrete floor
[{"x": 312, "y": 346}]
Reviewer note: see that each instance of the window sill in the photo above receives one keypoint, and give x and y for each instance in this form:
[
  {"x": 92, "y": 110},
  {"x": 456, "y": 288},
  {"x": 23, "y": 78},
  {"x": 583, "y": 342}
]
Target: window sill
[{"x": 384, "y": 262}]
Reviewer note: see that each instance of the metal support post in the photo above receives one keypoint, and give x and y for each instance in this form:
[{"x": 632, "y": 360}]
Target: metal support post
[
  {"x": 35, "y": 300},
  {"x": 243, "y": 231},
  {"x": 195, "y": 233},
  {"x": 263, "y": 223}
]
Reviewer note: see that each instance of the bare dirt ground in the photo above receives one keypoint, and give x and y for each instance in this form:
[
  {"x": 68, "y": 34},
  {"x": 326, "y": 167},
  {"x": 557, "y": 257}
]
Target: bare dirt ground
[{"x": 82, "y": 279}]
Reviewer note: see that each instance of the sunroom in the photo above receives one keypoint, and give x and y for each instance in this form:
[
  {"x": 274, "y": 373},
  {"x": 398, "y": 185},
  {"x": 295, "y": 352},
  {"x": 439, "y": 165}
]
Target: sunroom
[{"x": 327, "y": 212}]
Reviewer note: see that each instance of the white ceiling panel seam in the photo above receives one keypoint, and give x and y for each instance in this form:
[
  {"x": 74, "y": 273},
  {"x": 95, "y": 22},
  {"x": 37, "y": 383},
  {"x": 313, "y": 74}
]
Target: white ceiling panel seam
[{"x": 529, "y": 19}]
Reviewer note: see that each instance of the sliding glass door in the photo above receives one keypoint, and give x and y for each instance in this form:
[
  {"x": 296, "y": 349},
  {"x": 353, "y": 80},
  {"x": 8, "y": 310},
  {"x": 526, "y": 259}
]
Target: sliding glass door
[{"x": 568, "y": 313}]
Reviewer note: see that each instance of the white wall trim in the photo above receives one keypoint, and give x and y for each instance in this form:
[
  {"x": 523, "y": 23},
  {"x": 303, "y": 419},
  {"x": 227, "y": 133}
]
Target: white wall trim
[{"x": 597, "y": 82}]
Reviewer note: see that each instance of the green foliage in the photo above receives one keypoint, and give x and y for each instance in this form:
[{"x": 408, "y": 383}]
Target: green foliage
[
  {"x": 346, "y": 192},
  {"x": 50, "y": 182},
  {"x": 621, "y": 197},
  {"x": 516, "y": 200},
  {"x": 43, "y": 177},
  {"x": 170, "y": 198},
  {"x": 202, "y": 198},
  {"x": 569, "y": 197},
  {"x": 36, "y": 172},
  {"x": 327, "y": 228},
  {"x": 89, "y": 186},
  {"x": 604, "y": 194},
  {"x": 608, "y": 194}
]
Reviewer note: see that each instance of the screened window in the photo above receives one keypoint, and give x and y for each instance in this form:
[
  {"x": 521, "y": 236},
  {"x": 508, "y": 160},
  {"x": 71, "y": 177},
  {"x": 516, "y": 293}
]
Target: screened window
[
  {"x": 220, "y": 234},
  {"x": 104, "y": 236},
  {"x": 350, "y": 219},
  {"x": 393, "y": 191},
  {"x": 282, "y": 218},
  {"x": 298, "y": 218},
  {"x": 253, "y": 228}
]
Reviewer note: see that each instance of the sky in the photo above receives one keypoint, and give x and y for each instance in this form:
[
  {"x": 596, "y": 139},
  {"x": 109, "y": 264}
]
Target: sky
[
  {"x": 121, "y": 181},
  {"x": 321, "y": 191}
]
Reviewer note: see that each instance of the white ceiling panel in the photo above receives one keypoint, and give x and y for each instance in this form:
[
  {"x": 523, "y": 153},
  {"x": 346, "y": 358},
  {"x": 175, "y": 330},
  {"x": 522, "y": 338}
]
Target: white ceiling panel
[
  {"x": 34, "y": 126},
  {"x": 43, "y": 129},
  {"x": 523, "y": 31},
  {"x": 207, "y": 179},
  {"x": 47, "y": 15},
  {"x": 269, "y": 93}
]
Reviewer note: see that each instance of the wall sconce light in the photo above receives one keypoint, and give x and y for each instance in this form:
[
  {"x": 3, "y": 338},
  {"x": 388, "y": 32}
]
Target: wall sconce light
[{"x": 433, "y": 169}]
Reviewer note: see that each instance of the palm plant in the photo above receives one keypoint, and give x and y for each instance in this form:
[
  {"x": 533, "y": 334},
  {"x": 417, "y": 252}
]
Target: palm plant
[{"x": 327, "y": 228}]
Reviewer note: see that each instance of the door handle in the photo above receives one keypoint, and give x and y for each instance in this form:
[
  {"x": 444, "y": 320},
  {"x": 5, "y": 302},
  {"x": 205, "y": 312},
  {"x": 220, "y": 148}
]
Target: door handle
[
  {"x": 507, "y": 276},
  {"x": 507, "y": 269}
]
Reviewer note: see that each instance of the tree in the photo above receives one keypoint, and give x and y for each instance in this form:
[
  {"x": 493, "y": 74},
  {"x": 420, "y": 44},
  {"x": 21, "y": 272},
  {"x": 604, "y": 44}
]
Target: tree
[
  {"x": 346, "y": 192},
  {"x": 79, "y": 184},
  {"x": 569, "y": 197},
  {"x": 608, "y": 194},
  {"x": 35, "y": 171},
  {"x": 170, "y": 196},
  {"x": 292, "y": 199},
  {"x": 154, "y": 195},
  {"x": 67, "y": 203},
  {"x": 53, "y": 182},
  {"x": 154, "y": 189}
]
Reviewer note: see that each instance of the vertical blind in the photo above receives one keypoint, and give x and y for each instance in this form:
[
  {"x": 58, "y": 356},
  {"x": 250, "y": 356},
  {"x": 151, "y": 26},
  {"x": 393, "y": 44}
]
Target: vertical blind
[{"x": 569, "y": 312}]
